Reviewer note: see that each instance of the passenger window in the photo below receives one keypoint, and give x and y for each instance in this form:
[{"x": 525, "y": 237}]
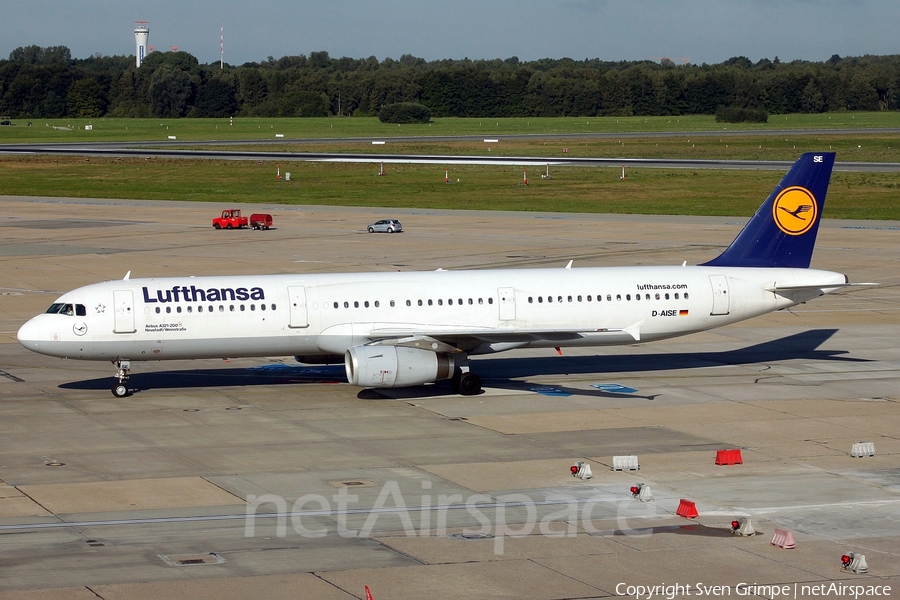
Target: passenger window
[
  {"x": 440, "y": 302},
  {"x": 231, "y": 307},
  {"x": 530, "y": 300},
  {"x": 481, "y": 301},
  {"x": 618, "y": 297},
  {"x": 356, "y": 304},
  {"x": 676, "y": 295},
  {"x": 628, "y": 296},
  {"x": 252, "y": 307},
  {"x": 609, "y": 297},
  {"x": 273, "y": 306},
  {"x": 589, "y": 298},
  {"x": 685, "y": 295},
  {"x": 667, "y": 295},
  {"x": 420, "y": 303},
  {"x": 242, "y": 308},
  {"x": 490, "y": 300},
  {"x": 470, "y": 301},
  {"x": 657, "y": 296},
  {"x": 460, "y": 301},
  {"x": 263, "y": 306},
  {"x": 377, "y": 303},
  {"x": 549, "y": 298},
  {"x": 579, "y": 298},
  {"x": 346, "y": 304},
  {"x": 189, "y": 309},
  {"x": 200, "y": 308},
  {"x": 221, "y": 308},
  {"x": 570, "y": 298},
  {"x": 168, "y": 309},
  {"x": 335, "y": 304},
  {"x": 637, "y": 297},
  {"x": 157, "y": 310}
]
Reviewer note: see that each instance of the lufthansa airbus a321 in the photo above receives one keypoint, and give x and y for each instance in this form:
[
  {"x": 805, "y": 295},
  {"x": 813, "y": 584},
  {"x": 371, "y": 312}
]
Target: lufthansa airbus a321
[{"x": 410, "y": 328}]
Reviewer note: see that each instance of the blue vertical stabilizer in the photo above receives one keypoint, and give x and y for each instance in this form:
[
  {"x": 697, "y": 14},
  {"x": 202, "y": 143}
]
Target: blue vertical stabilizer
[{"x": 782, "y": 233}]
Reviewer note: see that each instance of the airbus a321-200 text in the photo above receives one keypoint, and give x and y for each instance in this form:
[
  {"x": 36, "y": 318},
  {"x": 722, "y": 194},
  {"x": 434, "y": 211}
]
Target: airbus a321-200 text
[{"x": 401, "y": 329}]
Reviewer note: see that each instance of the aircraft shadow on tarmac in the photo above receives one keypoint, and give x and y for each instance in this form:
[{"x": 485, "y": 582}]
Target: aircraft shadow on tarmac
[{"x": 499, "y": 372}]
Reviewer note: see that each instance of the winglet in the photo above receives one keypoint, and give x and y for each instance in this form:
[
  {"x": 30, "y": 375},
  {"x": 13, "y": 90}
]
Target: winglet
[
  {"x": 783, "y": 231},
  {"x": 127, "y": 276}
]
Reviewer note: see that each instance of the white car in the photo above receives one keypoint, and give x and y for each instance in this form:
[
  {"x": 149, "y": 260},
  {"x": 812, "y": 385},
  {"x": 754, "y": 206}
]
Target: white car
[{"x": 385, "y": 225}]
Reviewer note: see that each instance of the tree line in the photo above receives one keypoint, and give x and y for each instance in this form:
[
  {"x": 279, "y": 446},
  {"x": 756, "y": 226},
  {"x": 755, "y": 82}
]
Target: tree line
[{"x": 38, "y": 82}]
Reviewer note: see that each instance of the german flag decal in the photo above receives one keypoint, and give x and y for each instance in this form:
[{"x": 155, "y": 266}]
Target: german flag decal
[{"x": 682, "y": 313}]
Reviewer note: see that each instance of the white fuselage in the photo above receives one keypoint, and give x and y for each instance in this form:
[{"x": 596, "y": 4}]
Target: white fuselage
[{"x": 477, "y": 311}]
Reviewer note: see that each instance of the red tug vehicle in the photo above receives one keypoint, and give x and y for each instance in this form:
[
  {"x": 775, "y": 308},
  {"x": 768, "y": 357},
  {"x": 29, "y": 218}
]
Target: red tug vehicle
[{"x": 232, "y": 219}]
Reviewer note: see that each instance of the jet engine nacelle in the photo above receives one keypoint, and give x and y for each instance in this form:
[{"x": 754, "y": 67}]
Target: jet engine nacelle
[{"x": 396, "y": 366}]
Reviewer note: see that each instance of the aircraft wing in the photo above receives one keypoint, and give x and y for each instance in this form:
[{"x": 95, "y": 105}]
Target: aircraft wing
[{"x": 449, "y": 339}]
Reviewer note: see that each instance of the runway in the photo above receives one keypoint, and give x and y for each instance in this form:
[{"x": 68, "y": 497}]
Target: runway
[
  {"x": 265, "y": 478},
  {"x": 185, "y": 149}
]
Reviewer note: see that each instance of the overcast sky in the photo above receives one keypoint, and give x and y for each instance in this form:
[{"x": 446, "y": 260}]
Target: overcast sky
[{"x": 708, "y": 31}]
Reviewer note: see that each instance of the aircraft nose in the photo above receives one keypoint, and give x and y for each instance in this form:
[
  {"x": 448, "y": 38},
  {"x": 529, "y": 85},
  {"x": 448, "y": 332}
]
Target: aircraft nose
[{"x": 29, "y": 335}]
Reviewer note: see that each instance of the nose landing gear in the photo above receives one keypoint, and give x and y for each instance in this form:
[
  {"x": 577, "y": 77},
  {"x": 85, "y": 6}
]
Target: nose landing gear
[{"x": 120, "y": 388}]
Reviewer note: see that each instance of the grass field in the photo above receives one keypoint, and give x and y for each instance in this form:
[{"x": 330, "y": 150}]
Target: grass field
[
  {"x": 571, "y": 189},
  {"x": 109, "y": 129}
]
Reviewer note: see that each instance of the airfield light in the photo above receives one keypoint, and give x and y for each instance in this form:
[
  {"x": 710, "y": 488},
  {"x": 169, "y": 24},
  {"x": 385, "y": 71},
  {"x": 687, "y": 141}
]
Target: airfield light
[
  {"x": 845, "y": 560},
  {"x": 574, "y": 469},
  {"x": 735, "y": 525},
  {"x": 635, "y": 490}
]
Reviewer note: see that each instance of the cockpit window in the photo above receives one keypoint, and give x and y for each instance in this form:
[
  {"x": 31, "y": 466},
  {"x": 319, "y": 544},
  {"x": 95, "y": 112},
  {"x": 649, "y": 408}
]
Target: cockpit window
[{"x": 60, "y": 308}]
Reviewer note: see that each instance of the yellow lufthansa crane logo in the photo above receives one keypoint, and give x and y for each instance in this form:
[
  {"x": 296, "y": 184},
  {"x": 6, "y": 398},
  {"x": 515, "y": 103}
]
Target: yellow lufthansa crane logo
[{"x": 795, "y": 210}]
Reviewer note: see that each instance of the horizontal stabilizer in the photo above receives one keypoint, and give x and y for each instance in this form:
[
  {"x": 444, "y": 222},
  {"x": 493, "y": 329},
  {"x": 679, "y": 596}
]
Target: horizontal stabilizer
[{"x": 825, "y": 288}]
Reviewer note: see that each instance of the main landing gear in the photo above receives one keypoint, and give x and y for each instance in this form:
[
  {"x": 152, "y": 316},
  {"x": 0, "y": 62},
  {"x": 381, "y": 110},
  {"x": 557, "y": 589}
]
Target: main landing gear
[
  {"x": 120, "y": 388},
  {"x": 466, "y": 382}
]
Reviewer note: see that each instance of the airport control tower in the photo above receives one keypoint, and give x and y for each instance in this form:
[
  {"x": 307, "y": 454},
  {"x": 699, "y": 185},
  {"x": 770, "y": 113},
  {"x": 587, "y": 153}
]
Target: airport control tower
[{"x": 141, "y": 35}]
